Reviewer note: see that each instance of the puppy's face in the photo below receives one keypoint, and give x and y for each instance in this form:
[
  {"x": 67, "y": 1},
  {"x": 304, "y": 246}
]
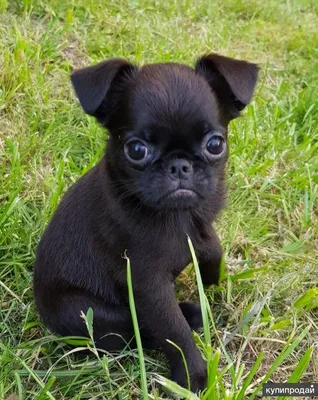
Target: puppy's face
[
  {"x": 167, "y": 124},
  {"x": 170, "y": 148}
]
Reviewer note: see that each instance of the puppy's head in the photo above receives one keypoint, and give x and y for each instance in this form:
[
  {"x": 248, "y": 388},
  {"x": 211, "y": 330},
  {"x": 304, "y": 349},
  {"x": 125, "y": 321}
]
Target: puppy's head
[{"x": 167, "y": 125}]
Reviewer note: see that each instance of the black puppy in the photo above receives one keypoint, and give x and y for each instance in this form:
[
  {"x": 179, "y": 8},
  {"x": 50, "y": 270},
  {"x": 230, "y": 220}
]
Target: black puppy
[{"x": 162, "y": 178}]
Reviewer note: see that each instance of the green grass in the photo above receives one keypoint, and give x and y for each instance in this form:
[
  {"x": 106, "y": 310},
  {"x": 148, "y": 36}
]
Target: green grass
[
  {"x": 263, "y": 317},
  {"x": 136, "y": 330}
]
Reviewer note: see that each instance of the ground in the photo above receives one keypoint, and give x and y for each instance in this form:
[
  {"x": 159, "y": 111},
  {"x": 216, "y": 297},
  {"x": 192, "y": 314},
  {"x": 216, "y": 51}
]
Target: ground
[{"x": 269, "y": 230}]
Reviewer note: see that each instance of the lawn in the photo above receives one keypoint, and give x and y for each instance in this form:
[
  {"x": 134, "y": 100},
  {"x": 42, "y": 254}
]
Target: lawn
[{"x": 265, "y": 312}]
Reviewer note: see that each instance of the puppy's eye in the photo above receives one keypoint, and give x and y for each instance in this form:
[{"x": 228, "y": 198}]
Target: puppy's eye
[
  {"x": 136, "y": 151},
  {"x": 215, "y": 145}
]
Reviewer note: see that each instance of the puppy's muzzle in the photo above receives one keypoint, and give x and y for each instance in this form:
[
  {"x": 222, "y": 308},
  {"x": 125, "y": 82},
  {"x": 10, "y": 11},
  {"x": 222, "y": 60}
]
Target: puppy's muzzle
[{"x": 180, "y": 169}]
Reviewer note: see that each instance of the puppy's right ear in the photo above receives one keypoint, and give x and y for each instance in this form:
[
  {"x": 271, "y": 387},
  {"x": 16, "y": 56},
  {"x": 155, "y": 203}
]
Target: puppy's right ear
[
  {"x": 233, "y": 82},
  {"x": 94, "y": 86}
]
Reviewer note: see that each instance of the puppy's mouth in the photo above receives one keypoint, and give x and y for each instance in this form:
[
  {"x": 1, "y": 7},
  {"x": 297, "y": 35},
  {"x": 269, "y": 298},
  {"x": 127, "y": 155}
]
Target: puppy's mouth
[
  {"x": 181, "y": 194},
  {"x": 179, "y": 198}
]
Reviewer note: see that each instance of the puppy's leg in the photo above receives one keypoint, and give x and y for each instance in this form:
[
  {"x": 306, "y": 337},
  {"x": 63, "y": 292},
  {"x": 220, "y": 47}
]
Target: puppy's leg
[
  {"x": 192, "y": 313},
  {"x": 209, "y": 258},
  {"x": 162, "y": 318},
  {"x": 112, "y": 326}
]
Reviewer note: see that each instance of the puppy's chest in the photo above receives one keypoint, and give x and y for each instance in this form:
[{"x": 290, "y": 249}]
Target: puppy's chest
[
  {"x": 170, "y": 247},
  {"x": 180, "y": 252}
]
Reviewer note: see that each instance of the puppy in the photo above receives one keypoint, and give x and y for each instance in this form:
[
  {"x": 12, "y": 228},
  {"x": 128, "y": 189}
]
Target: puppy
[{"x": 162, "y": 178}]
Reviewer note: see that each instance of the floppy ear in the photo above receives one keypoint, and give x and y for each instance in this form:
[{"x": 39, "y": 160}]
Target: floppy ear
[
  {"x": 233, "y": 82},
  {"x": 94, "y": 86}
]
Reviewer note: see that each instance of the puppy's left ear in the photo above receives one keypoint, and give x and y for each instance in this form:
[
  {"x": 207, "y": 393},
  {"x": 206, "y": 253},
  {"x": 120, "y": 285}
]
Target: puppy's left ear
[
  {"x": 232, "y": 81},
  {"x": 98, "y": 87}
]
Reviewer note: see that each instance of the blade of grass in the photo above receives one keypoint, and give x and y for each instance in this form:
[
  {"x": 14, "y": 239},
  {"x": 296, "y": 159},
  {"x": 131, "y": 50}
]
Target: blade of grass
[
  {"x": 227, "y": 356},
  {"x": 223, "y": 275},
  {"x": 184, "y": 361},
  {"x": 287, "y": 350},
  {"x": 255, "y": 311},
  {"x": 213, "y": 365},
  {"x": 136, "y": 331},
  {"x": 309, "y": 299},
  {"x": 176, "y": 389},
  {"x": 88, "y": 319},
  {"x": 301, "y": 367},
  {"x": 19, "y": 385},
  {"x": 203, "y": 302},
  {"x": 216, "y": 381},
  {"x": 204, "y": 309},
  {"x": 247, "y": 274},
  {"x": 48, "y": 385},
  {"x": 32, "y": 373},
  {"x": 299, "y": 370},
  {"x": 250, "y": 376},
  {"x": 61, "y": 374}
]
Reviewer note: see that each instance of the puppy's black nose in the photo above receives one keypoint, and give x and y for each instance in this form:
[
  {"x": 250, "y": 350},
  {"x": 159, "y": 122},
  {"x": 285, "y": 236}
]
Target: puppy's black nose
[{"x": 180, "y": 169}]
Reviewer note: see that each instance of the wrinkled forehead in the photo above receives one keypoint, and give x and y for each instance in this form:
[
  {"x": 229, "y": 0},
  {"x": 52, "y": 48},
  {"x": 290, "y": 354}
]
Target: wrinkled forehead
[{"x": 172, "y": 97}]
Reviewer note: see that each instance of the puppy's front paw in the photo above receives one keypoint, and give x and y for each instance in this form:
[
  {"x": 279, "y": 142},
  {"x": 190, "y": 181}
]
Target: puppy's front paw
[
  {"x": 210, "y": 274},
  {"x": 197, "y": 374},
  {"x": 192, "y": 313}
]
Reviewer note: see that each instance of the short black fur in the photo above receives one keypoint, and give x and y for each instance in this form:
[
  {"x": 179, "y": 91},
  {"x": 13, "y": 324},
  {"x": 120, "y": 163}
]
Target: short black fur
[{"x": 161, "y": 179}]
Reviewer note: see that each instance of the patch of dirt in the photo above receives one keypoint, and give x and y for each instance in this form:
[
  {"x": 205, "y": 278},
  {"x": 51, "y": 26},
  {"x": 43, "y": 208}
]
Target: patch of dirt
[
  {"x": 12, "y": 396},
  {"x": 74, "y": 55},
  {"x": 1, "y": 145}
]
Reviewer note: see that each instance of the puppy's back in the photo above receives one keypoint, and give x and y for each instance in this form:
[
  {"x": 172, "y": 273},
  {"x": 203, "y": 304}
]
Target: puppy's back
[{"x": 66, "y": 254}]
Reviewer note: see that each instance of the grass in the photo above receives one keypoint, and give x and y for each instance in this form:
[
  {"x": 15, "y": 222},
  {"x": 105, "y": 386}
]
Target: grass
[
  {"x": 137, "y": 333},
  {"x": 263, "y": 316}
]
